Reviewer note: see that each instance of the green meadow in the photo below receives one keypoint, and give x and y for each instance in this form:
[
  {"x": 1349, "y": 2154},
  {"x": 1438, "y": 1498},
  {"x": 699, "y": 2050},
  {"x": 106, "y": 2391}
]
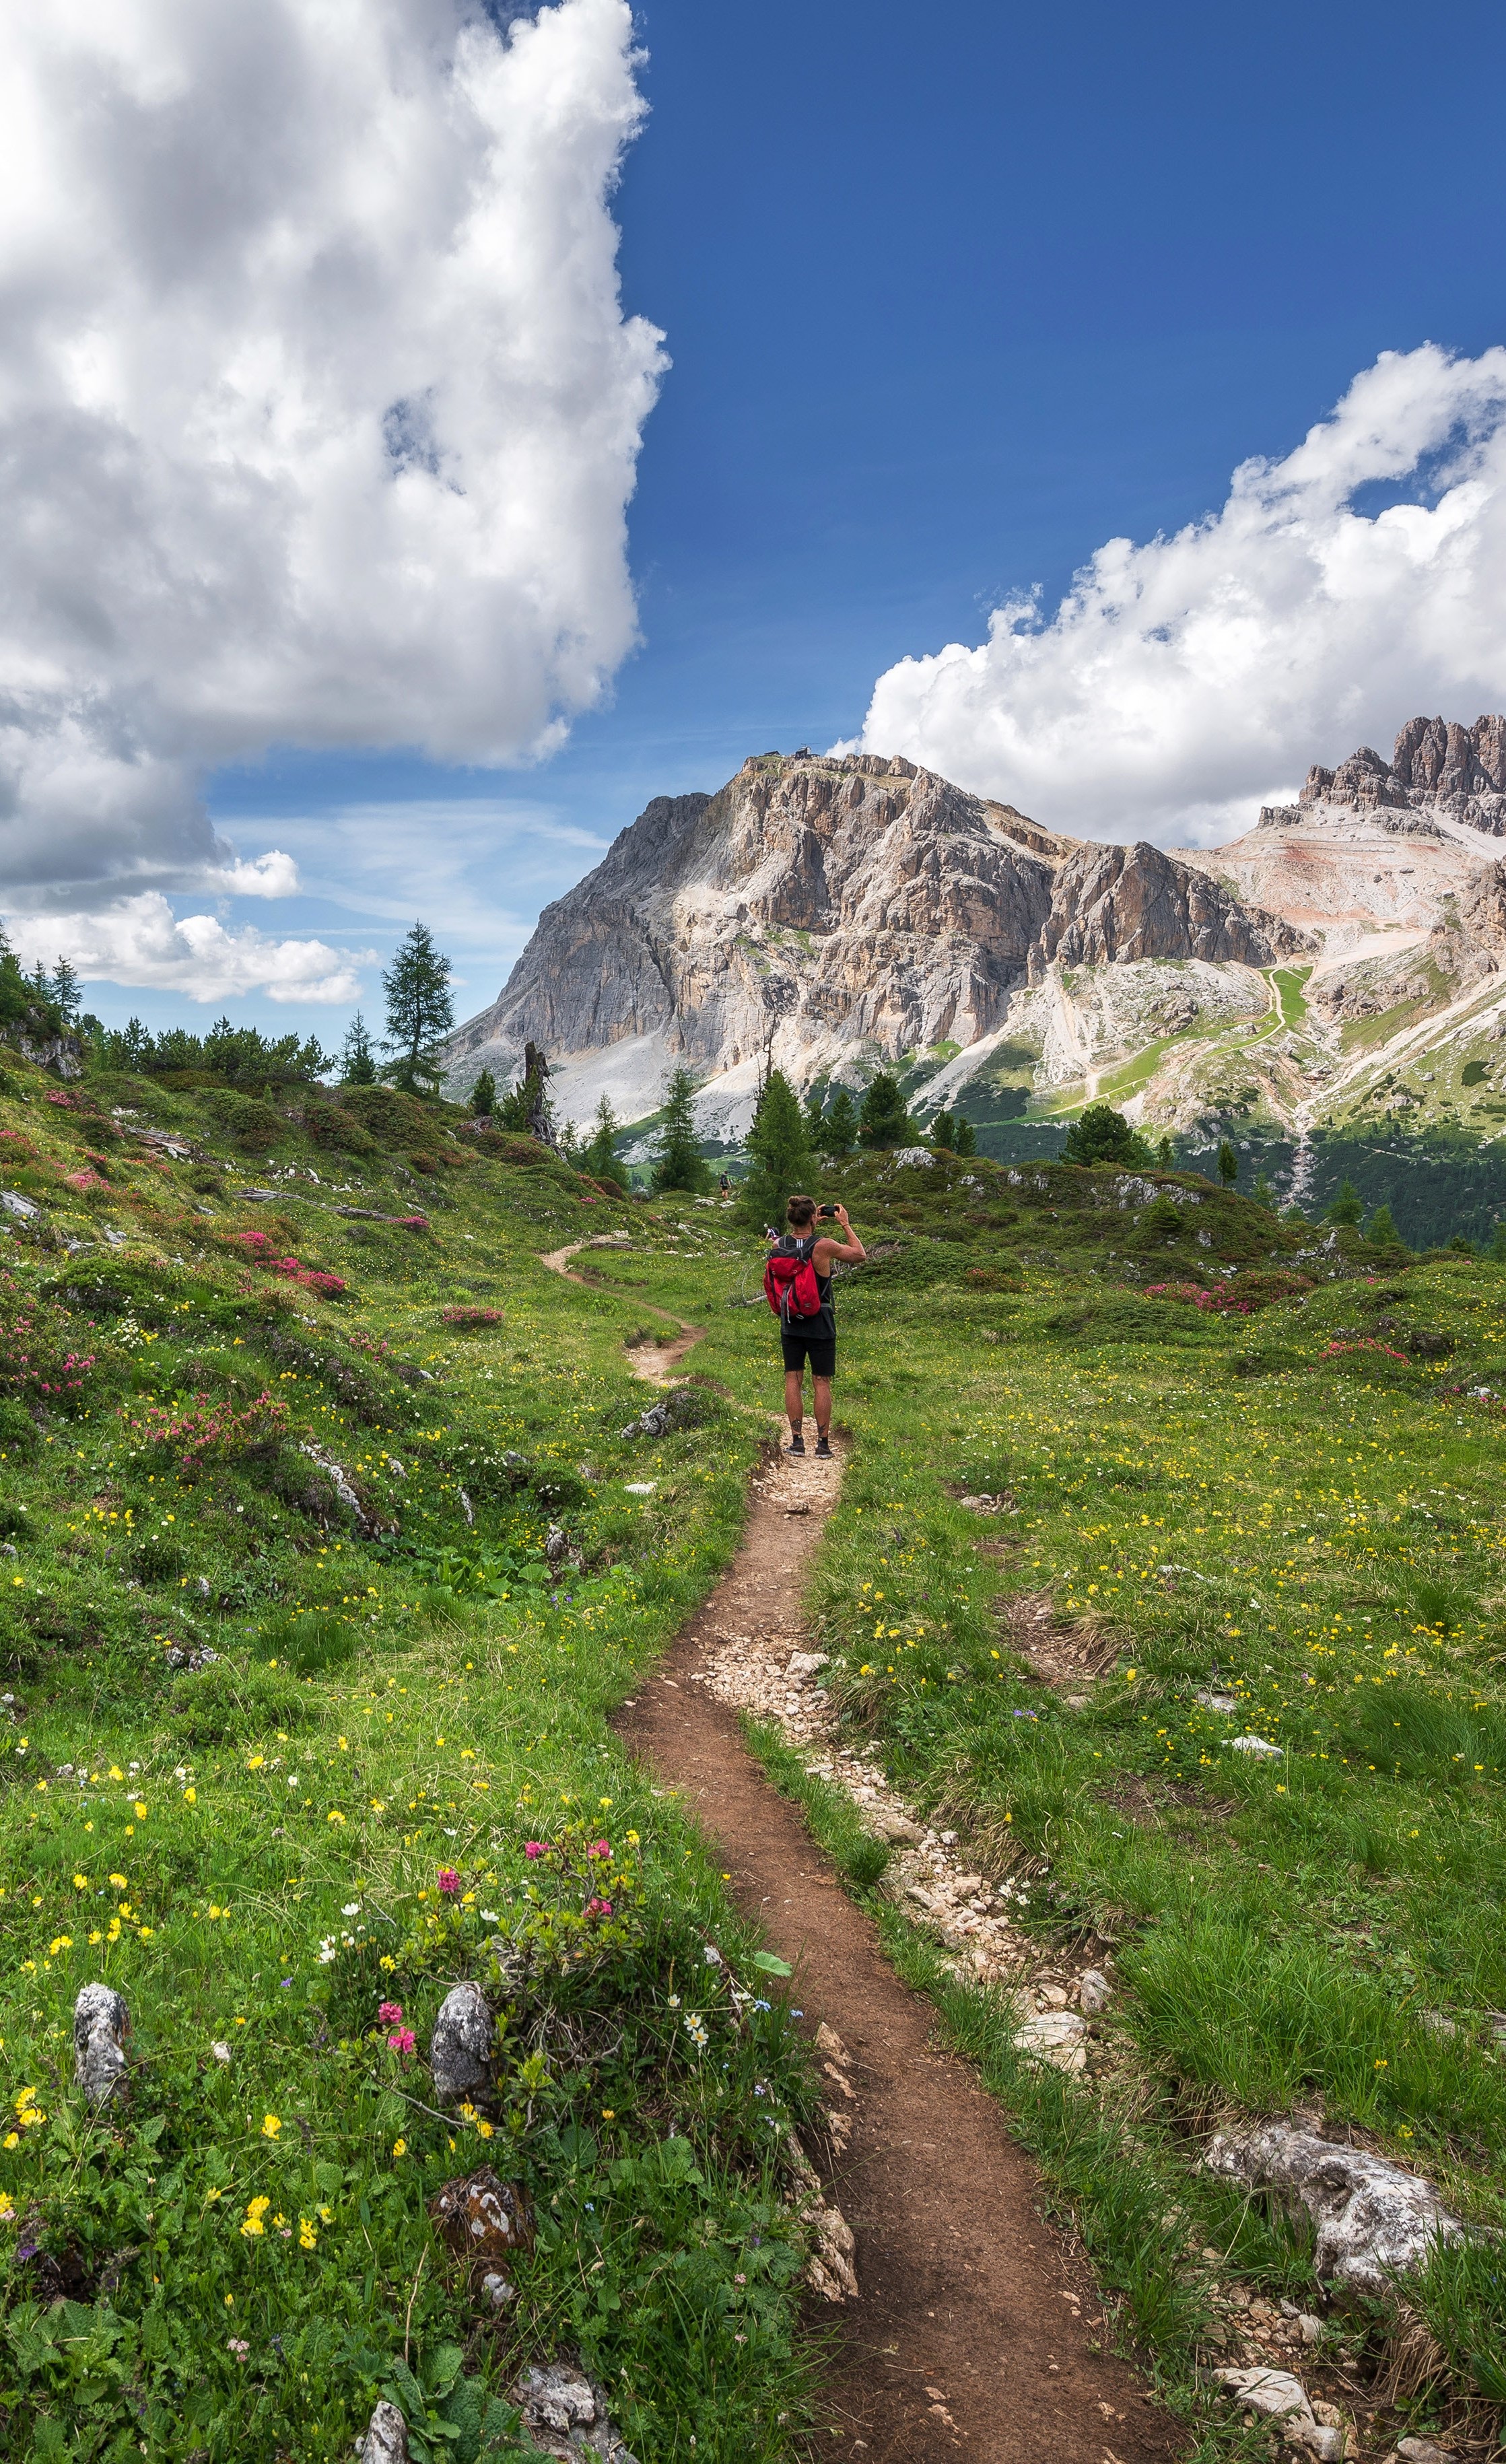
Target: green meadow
[{"x": 326, "y": 1561}]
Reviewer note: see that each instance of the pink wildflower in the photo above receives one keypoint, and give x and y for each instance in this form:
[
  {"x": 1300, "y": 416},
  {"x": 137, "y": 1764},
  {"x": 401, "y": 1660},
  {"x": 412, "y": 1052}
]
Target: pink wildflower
[
  {"x": 598, "y": 1848},
  {"x": 448, "y": 1881},
  {"x": 389, "y": 2013},
  {"x": 403, "y": 2040},
  {"x": 598, "y": 1908},
  {"x": 533, "y": 1847}
]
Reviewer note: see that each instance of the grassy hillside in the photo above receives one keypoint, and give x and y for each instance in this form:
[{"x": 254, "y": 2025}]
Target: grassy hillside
[
  {"x": 1232, "y": 1457},
  {"x": 288, "y": 1411},
  {"x": 290, "y": 1683}
]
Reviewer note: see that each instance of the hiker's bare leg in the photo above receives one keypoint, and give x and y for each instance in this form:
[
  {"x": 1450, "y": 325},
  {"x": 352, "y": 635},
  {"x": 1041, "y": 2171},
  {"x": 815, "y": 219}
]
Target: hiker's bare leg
[
  {"x": 795, "y": 1399},
  {"x": 822, "y": 1390}
]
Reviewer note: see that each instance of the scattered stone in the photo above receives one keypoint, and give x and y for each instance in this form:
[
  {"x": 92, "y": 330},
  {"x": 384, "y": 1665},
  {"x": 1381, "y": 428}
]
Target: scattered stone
[
  {"x": 220, "y": 2049},
  {"x": 14, "y": 1203},
  {"x": 808, "y": 1663},
  {"x": 269, "y": 1198},
  {"x": 1375, "y": 2222},
  {"x": 830, "y": 2270},
  {"x": 1054, "y": 2036},
  {"x": 1095, "y": 1993},
  {"x": 1252, "y": 1745},
  {"x": 101, "y": 2022},
  {"x": 461, "y": 2042},
  {"x": 480, "y": 2217},
  {"x": 176, "y": 1657},
  {"x": 385, "y": 2441},
  {"x": 1280, "y": 2397},
  {"x": 566, "y": 2416},
  {"x": 1309, "y": 2328},
  {"x": 639, "y": 1487},
  {"x": 1212, "y": 1702},
  {"x": 896, "y": 1827},
  {"x": 651, "y": 1423},
  {"x": 340, "y": 1482},
  {"x": 1422, "y": 2450},
  {"x": 496, "y": 2289}
]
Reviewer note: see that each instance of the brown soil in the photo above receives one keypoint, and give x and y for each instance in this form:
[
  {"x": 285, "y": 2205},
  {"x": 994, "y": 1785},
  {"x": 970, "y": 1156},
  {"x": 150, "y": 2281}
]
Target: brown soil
[{"x": 976, "y": 2331}]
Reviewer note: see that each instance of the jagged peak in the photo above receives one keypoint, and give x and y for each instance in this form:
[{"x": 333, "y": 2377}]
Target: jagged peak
[{"x": 1433, "y": 759}]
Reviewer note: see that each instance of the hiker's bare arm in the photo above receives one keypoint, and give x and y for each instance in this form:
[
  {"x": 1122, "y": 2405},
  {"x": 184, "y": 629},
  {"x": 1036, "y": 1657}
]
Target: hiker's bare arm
[{"x": 847, "y": 1253}]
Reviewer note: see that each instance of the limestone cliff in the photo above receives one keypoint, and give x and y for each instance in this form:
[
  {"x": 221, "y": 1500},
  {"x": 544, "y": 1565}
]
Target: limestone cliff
[{"x": 818, "y": 911}]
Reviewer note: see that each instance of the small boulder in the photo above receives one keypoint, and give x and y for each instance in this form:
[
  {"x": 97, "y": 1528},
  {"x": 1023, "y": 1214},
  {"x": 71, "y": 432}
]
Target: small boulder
[
  {"x": 1422, "y": 2450},
  {"x": 1280, "y": 2397},
  {"x": 101, "y": 2023},
  {"x": 1095, "y": 1993},
  {"x": 807, "y": 1663},
  {"x": 481, "y": 2219},
  {"x": 1375, "y": 2221},
  {"x": 1054, "y": 2036},
  {"x": 565, "y": 2413},
  {"x": 461, "y": 2042},
  {"x": 385, "y": 2441}
]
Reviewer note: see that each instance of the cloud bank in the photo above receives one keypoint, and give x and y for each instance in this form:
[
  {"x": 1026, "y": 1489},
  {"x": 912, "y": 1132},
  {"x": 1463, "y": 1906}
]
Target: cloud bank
[
  {"x": 319, "y": 412},
  {"x": 139, "y": 940},
  {"x": 1180, "y": 682}
]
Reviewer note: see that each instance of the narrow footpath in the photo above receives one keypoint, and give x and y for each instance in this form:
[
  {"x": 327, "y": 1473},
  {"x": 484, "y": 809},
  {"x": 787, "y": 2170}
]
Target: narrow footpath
[{"x": 976, "y": 2330}]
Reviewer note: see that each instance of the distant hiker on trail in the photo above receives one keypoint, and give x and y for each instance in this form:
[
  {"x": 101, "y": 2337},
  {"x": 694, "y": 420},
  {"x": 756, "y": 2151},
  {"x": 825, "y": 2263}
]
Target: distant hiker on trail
[{"x": 797, "y": 1281}]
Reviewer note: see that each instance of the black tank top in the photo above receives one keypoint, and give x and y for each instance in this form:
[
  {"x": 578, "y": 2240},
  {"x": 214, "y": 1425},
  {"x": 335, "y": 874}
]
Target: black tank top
[{"x": 825, "y": 1323}]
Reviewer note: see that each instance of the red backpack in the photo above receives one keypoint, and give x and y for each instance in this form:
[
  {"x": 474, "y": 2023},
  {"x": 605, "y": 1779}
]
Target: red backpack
[{"x": 790, "y": 1281}]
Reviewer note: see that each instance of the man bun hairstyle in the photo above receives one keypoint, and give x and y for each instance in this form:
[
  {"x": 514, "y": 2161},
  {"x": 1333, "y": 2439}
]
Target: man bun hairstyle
[{"x": 802, "y": 1212}]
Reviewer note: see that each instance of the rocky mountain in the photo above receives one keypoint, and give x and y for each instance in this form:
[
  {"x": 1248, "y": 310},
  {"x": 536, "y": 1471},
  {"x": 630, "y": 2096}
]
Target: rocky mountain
[
  {"x": 830, "y": 915},
  {"x": 1336, "y": 971}
]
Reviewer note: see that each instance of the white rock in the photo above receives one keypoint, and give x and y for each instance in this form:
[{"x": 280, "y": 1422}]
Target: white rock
[
  {"x": 385, "y": 2441},
  {"x": 807, "y": 1663},
  {"x": 1275, "y": 2394},
  {"x": 101, "y": 2022},
  {"x": 1054, "y": 2036},
  {"x": 1422, "y": 2450},
  {"x": 1375, "y": 2222},
  {"x": 220, "y": 2049},
  {"x": 461, "y": 2042},
  {"x": 1309, "y": 2328},
  {"x": 1261, "y": 1746},
  {"x": 1095, "y": 1993},
  {"x": 1212, "y": 1702},
  {"x": 640, "y": 1488},
  {"x": 566, "y": 2416}
]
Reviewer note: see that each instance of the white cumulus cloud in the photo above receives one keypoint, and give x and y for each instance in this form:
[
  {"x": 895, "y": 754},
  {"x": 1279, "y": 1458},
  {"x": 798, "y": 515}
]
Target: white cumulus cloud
[
  {"x": 1181, "y": 682},
  {"x": 139, "y": 940},
  {"x": 318, "y": 410}
]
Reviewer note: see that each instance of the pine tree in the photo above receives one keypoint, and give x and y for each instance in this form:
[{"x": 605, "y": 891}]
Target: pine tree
[
  {"x": 357, "y": 1061},
  {"x": 1347, "y": 1207},
  {"x": 420, "y": 1009},
  {"x": 942, "y": 1132},
  {"x": 1227, "y": 1163},
  {"x": 1497, "y": 1253},
  {"x": 1263, "y": 1194},
  {"x": 812, "y": 1109},
  {"x": 678, "y": 1163},
  {"x": 779, "y": 1152},
  {"x": 839, "y": 1127},
  {"x": 883, "y": 1121},
  {"x": 1381, "y": 1228},
  {"x": 964, "y": 1137},
  {"x": 1103, "y": 1136},
  {"x": 1165, "y": 1152},
  {"x": 484, "y": 1096},
  {"x": 66, "y": 989},
  {"x": 600, "y": 1158}
]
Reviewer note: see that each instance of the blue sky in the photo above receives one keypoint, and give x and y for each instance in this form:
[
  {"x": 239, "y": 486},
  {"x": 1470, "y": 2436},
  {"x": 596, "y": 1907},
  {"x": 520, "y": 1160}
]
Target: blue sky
[{"x": 952, "y": 296}]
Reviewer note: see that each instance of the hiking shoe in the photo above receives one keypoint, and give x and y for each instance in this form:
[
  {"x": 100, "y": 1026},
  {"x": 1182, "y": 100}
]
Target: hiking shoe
[
  {"x": 822, "y": 1448},
  {"x": 796, "y": 1446}
]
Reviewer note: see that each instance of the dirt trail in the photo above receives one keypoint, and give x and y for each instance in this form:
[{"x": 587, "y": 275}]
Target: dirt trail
[
  {"x": 976, "y": 2331},
  {"x": 654, "y": 1362}
]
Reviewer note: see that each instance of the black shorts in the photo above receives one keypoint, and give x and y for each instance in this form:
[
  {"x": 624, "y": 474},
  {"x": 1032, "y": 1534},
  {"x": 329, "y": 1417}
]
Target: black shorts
[{"x": 820, "y": 1349}]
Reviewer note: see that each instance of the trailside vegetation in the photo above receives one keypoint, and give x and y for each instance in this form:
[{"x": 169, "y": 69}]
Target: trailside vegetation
[{"x": 677, "y": 1160}]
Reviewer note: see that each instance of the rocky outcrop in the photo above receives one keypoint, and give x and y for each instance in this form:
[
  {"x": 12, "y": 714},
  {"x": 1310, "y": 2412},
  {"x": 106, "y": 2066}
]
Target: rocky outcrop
[
  {"x": 1113, "y": 904},
  {"x": 1434, "y": 761},
  {"x": 812, "y": 904}
]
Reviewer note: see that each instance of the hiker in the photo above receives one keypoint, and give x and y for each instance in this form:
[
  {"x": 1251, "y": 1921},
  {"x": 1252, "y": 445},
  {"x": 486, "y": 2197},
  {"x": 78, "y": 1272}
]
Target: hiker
[{"x": 797, "y": 1281}]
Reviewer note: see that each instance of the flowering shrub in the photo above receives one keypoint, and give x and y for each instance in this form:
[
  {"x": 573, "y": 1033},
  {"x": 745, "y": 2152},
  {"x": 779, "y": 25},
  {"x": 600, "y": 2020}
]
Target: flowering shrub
[
  {"x": 206, "y": 1430},
  {"x": 1361, "y": 1343},
  {"x": 32, "y": 1360},
  {"x": 459, "y": 1314},
  {"x": 311, "y": 1278},
  {"x": 84, "y": 1181}
]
